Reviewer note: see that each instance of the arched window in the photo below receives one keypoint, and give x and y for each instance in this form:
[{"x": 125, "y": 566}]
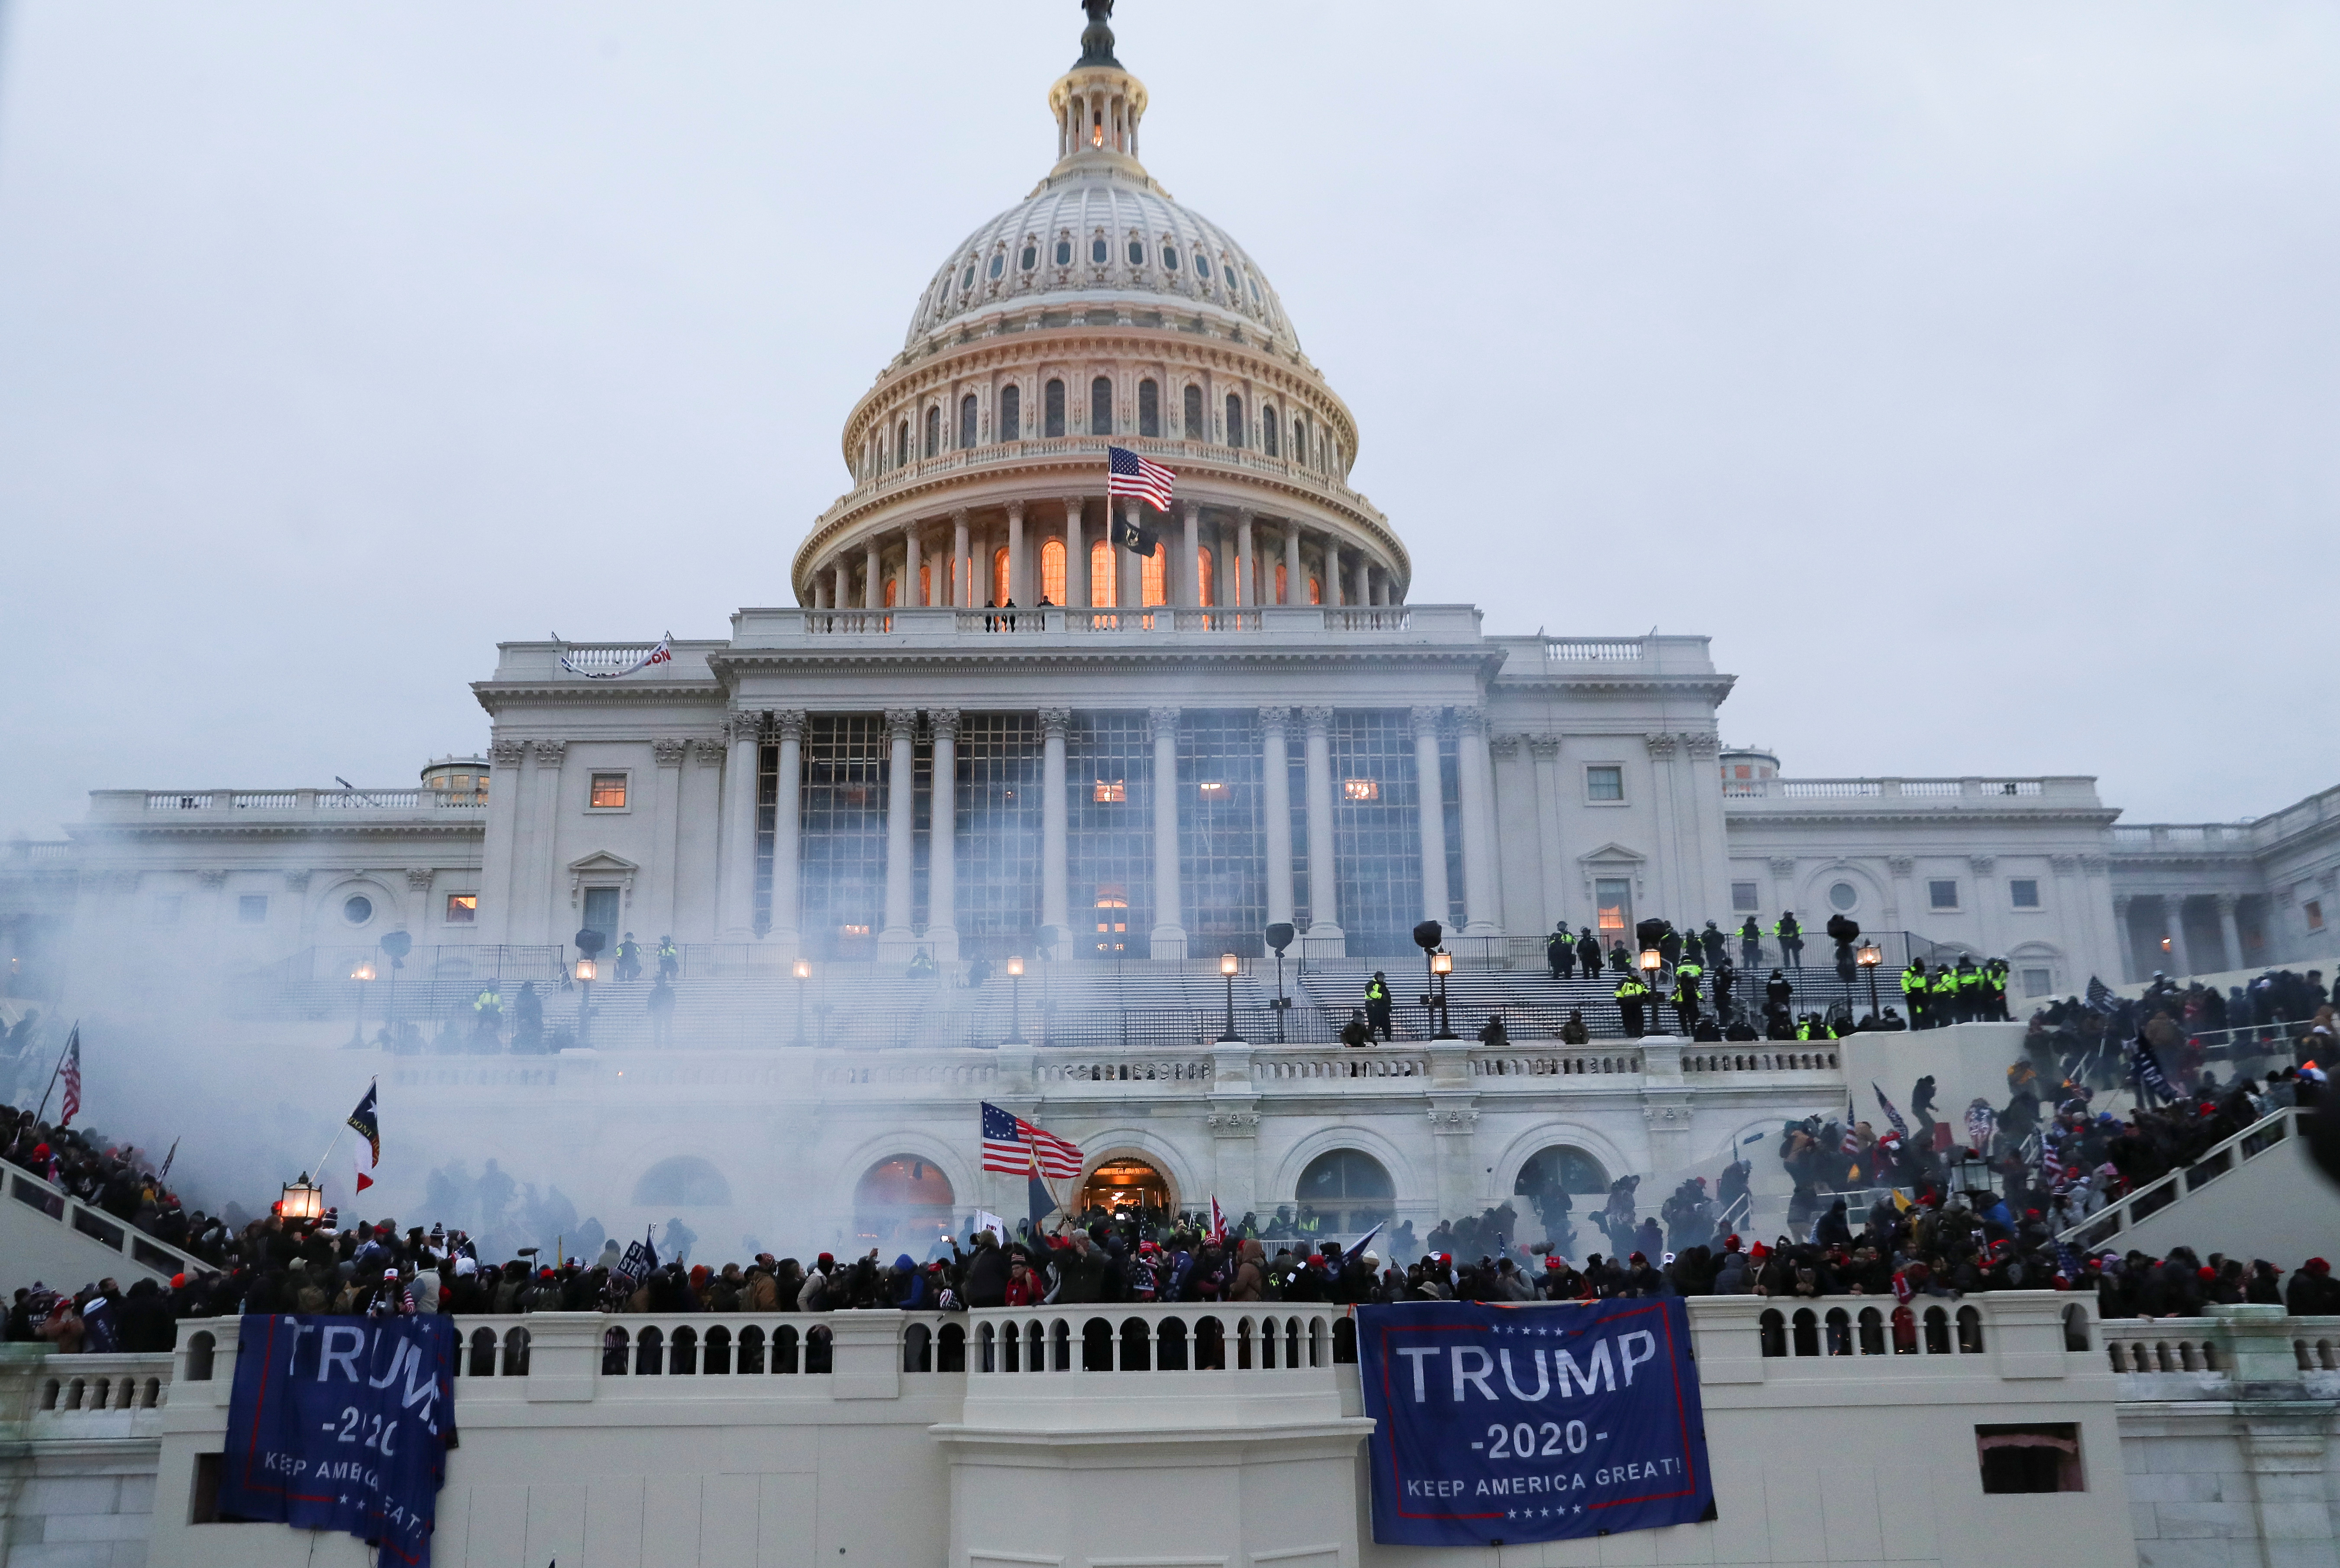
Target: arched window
[
  {"x": 1194, "y": 428},
  {"x": 1279, "y": 583},
  {"x": 1101, "y": 407},
  {"x": 1011, "y": 414},
  {"x": 1103, "y": 590},
  {"x": 1170, "y": 258},
  {"x": 1549, "y": 1180},
  {"x": 904, "y": 1194},
  {"x": 1052, "y": 409},
  {"x": 902, "y": 443},
  {"x": 1136, "y": 251},
  {"x": 1051, "y": 570},
  {"x": 1268, "y": 429},
  {"x": 1149, "y": 409},
  {"x": 1299, "y": 440},
  {"x": 1151, "y": 586},
  {"x": 684, "y": 1180},
  {"x": 1099, "y": 252},
  {"x": 967, "y": 421},
  {"x": 1234, "y": 420},
  {"x": 1030, "y": 258},
  {"x": 1315, "y": 589},
  {"x": 1204, "y": 573},
  {"x": 893, "y": 587},
  {"x": 925, "y": 583},
  {"x": 1347, "y": 1189},
  {"x": 934, "y": 431},
  {"x": 998, "y": 265},
  {"x": 1064, "y": 252},
  {"x": 1000, "y": 587}
]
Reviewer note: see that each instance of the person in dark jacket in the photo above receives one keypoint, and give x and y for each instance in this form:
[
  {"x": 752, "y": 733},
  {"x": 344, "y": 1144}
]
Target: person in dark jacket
[
  {"x": 983, "y": 1274},
  {"x": 1377, "y": 1006},
  {"x": 1588, "y": 953}
]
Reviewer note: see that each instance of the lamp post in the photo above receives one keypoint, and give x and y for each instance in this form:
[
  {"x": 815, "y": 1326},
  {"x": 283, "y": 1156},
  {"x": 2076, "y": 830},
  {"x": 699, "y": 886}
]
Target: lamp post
[
  {"x": 303, "y": 1200},
  {"x": 804, "y": 974},
  {"x": 587, "y": 971},
  {"x": 1229, "y": 965},
  {"x": 1442, "y": 964},
  {"x": 362, "y": 973},
  {"x": 1651, "y": 961},
  {"x": 1279, "y": 937},
  {"x": 1869, "y": 957},
  {"x": 1015, "y": 1002}
]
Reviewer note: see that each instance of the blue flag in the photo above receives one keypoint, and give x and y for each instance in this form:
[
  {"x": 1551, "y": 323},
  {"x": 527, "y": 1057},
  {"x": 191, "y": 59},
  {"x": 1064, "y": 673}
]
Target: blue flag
[
  {"x": 341, "y": 1423},
  {"x": 1500, "y": 1424}
]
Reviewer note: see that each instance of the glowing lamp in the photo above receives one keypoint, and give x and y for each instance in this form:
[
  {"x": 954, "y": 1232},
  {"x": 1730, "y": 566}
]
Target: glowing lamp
[
  {"x": 1442, "y": 963},
  {"x": 303, "y": 1200},
  {"x": 1229, "y": 965},
  {"x": 588, "y": 970}
]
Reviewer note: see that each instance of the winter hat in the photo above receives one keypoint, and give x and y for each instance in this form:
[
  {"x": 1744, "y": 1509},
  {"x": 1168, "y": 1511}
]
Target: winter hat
[
  {"x": 1758, "y": 1252},
  {"x": 178, "y": 1282},
  {"x": 1731, "y": 1242}
]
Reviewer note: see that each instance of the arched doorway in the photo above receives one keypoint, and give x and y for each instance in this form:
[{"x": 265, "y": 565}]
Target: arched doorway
[
  {"x": 1347, "y": 1192},
  {"x": 1125, "y": 1185},
  {"x": 1556, "y": 1182},
  {"x": 903, "y": 1204}
]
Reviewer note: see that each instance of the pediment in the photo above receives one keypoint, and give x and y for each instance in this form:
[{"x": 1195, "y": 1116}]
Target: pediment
[
  {"x": 602, "y": 863},
  {"x": 1612, "y": 855}
]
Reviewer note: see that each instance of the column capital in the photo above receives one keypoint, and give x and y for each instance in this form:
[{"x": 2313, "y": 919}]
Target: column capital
[
  {"x": 1317, "y": 719},
  {"x": 943, "y": 722},
  {"x": 1701, "y": 743},
  {"x": 739, "y": 725},
  {"x": 1055, "y": 721},
  {"x": 959, "y": 515},
  {"x": 1783, "y": 865},
  {"x": 2121, "y": 901},
  {"x": 1245, "y": 516},
  {"x": 2095, "y": 864},
  {"x": 2225, "y": 903},
  {"x": 709, "y": 751},
  {"x": 1982, "y": 863},
  {"x": 2063, "y": 865},
  {"x": 1507, "y": 745},
  {"x": 1074, "y": 505},
  {"x": 1660, "y": 747},
  {"x": 506, "y": 753},
  {"x": 1544, "y": 745},
  {"x": 418, "y": 877},
  {"x": 915, "y": 528},
  {"x": 1900, "y": 864},
  {"x": 1015, "y": 511},
  {"x": 1471, "y": 721},
  {"x": 1161, "y": 721},
  {"x": 1273, "y": 718},
  {"x": 900, "y": 722},
  {"x": 669, "y": 751},
  {"x": 789, "y": 723},
  {"x": 1192, "y": 510},
  {"x": 549, "y": 753},
  {"x": 1426, "y": 721}
]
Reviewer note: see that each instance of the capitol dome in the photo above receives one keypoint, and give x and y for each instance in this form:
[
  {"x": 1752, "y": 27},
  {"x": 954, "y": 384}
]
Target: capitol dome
[{"x": 1091, "y": 231}]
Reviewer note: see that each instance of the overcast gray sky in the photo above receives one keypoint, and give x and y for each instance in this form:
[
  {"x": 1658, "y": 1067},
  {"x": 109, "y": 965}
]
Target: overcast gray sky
[{"x": 1971, "y": 374}]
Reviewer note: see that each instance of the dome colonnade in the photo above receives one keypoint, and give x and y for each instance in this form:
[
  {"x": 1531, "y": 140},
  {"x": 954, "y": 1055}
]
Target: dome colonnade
[{"x": 1099, "y": 311}]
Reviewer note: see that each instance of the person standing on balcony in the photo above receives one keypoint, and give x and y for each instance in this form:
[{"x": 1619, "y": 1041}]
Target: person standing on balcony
[
  {"x": 1630, "y": 993},
  {"x": 1792, "y": 939},
  {"x": 1588, "y": 953},
  {"x": 1377, "y": 1006},
  {"x": 629, "y": 958},
  {"x": 1714, "y": 944},
  {"x": 1942, "y": 1000},
  {"x": 1750, "y": 943},
  {"x": 1560, "y": 952},
  {"x": 669, "y": 959},
  {"x": 1687, "y": 975},
  {"x": 1913, "y": 991}
]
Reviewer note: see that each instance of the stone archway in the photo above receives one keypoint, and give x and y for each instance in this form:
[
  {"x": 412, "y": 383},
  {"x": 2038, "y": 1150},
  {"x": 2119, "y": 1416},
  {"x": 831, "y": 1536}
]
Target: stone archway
[
  {"x": 903, "y": 1203},
  {"x": 1126, "y": 1183}
]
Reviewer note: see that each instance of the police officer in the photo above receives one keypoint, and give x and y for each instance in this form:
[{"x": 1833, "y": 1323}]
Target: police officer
[
  {"x": 669, "y": 959},
  {"x": 488, "y": 1012},
  {"x": 1630, "y": 992},
  {"x": 1687, "y": 975},
  {"x": 1778, "y": 994},
  {"x": 1670, "y": 946},
  {"x": 1792, "y": 939},
  {"x": 1942, "y": 1002},
  {"x": 1588, "y": 953},
  {"x": 1560, "y": 951},
  {"x": 629, "y": 958},
  {"x": 1994, "y": 989},
  {"x": 1714, "y": 943},
  {"x": 1969, "y": 990},
  {"x": 1377, "y": 1006},
  {"x": 1913, "y": 991},
  {"x": 1750, "y": 944}
]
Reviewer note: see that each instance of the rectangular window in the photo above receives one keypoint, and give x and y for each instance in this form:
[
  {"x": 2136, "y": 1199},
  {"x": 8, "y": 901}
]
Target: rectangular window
[
  {"x": 1745, "y": 898},
  {"x": 2035, "y": 1457},
  {"x": 1376, "y": 833},
  {"x": 252, "y": 908},
  {"x": 1149, "y": 409},
  {"x": 1011, "y": 414},
  {"x": 1942, "y": 895},
  {"x": 165, "y": 909},
  {"x": 1612, "y": 903},
  {"x": 2314, "y": 908},
  {"x": 1604, "y": 781},
  {"x": 1109, "y": 836},
  {"x": 842, "y": 861},
  {"x": 2024, "y": 892},
  {"x": 1114, "y": 791},
  {"x": 997, "y": 797},
  {"x": 1361, "y": 789},
  {"x": 609, "y": 792},
  {"x": 1223, "y": 847},
  {"x": 462, "y": 908},
  {"x": 2039, "y": 982}
]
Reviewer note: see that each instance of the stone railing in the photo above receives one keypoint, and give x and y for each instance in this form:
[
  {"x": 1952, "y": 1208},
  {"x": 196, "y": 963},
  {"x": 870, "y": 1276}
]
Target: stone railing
[
  {"x": 245, "y": 806},
  {"x": 786, "y": 626},
  {"x": 94, "y": 1224},
  {"x": 2107, "y": 1223},
  {"x": 2226, "y": 1354},
  {"x": 1972, "y": 791}
]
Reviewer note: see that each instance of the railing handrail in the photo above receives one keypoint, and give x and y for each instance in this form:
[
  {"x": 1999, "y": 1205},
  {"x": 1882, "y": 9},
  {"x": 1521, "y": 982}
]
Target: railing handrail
[
  {"x": 2118, "y": 1215},
  {"x": 36, "y": 1193}
]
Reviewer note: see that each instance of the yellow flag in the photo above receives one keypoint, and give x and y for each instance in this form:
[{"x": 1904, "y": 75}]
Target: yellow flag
[{"x": 1900, "y": 1204}]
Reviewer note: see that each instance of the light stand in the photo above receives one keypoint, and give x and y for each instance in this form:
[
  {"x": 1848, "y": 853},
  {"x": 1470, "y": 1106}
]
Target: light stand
[
  {"x": 587, "y": 973},
  {"x": 1868, "y": 958},
  {"x": 1442, "y": 964},
  {"x": 1227, "y": 967},
  {"x": 804, "y": 974},
  {"x": 362, "y": 973},
  {"x": 1015, "y": 1003},
  {"x": 1279, "y": 937}
]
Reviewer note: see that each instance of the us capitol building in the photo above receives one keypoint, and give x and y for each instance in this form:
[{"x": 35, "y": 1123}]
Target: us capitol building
[{"x": 1138, "y": 767}]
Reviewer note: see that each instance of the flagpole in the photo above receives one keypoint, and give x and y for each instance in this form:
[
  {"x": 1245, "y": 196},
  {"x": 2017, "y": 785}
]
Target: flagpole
[
  {"x": 320, "y": 1167},
  {"x": 60, "y": 1067}
]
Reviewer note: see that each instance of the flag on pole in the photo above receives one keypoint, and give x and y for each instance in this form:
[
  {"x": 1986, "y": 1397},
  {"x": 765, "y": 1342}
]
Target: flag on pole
[
  {"x": 166, "y": 1161},
  {"x": 1850, "y": 1142},
  {"x": 2144, "y": 1066},
  {"x": 1042, "y": 1202},
  {"x": 1366, "y": 1239},
  {"x": 368, "y": 1126},
  {"x": 1128, "y": 474},
  {"x": 1891, "y": 1115},
  {"x": 71, "y": 1072},
  {"x": 2100, "y": 996},
  {"x": 639, "y": 1263},
  {"x": 1006, "y": 1136},
  {"x": 663, "y": 654},
  {"x": 1218, "y": 1222}
]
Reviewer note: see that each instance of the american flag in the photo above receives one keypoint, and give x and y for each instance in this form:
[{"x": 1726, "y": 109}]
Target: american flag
[
  {"x": 1128, "y": 474},
  {"x": 72, "y": 1072},
  {"x": 1014, "y": 1145}
]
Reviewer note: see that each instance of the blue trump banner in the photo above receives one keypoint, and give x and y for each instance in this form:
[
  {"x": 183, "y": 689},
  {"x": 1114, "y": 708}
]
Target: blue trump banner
[
  {"x": 341, "y": 1423},
  {"x": 1496, "y": 1423}
]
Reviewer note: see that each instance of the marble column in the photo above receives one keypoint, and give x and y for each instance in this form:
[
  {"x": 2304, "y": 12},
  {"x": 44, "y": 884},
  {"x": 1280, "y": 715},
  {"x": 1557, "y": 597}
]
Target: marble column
[
  {"x": 2229, "y": 932},
  {"x": 819, "y": 590},
  {"x": 1077, "y": 555},
  {"x": 1360, "y": 590},
  {"x": 1475, "y": 772},
  {"x": 895, "y": 937},
  {"x": 1247, "y": 594},
  {"x": 1430, "y": 801},
  {"x": 787, "y": 926},
  {"x": 508, "y": 759},
  {"x": 2125, "y": 937},
  {"x": 910, "y": 594},
  {"x": 840, "y": 594},
  {"x": 941, "y": 840},
  {"x": 1018, "y": 587},
  {"x": 1333, "y": 597},
  {"x": 2174, "y": 922},
  {"x": 668, "y": 753},
  {"x": 742, "y": 732},
  {"x": 1224, "y": 567},
  {"x": 873, "y": 575},
  {"x": 1184, "y": 588},
  {"x": 1295, "y": 577},
  {"x": 1055, "y": 827},
  {"x": 546, "y": 760},
  {"x": 1276, "y": 797},
  {"x": 1324, "y": 895},
  {"x": 962, "y": 571},
  {"x": 1169, "y": 935}
]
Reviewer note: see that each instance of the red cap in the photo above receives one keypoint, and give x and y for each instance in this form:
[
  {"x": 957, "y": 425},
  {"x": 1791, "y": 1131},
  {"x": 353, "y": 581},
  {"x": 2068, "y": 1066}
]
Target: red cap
[
  {"x": 1445, "y": 1258},
  {"x": 178, "y": 1282},
  {"x": 1555, "y": 1263}
]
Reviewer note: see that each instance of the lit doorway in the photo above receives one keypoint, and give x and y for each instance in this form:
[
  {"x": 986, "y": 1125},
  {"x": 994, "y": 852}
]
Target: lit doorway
[{"x": 1126, "y": 1187}]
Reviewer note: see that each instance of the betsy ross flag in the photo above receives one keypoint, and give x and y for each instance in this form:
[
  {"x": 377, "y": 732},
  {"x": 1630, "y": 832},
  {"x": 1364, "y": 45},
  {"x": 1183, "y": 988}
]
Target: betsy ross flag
[
  {"x": 1128, "y": 474},
  {"x": 1012, "y": 1144},
  {"x": 71, "y": 1072},
  {"x": 368, "y": 1128}
]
